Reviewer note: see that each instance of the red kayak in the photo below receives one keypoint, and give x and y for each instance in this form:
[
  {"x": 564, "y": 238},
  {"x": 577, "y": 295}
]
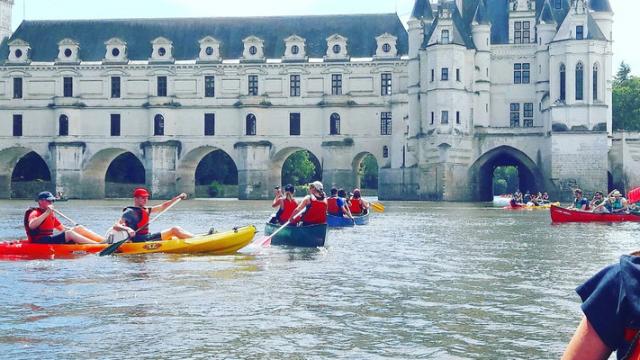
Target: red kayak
[
  {"x": 562, "y": 215},
  {"x": 17, "y": 250}
]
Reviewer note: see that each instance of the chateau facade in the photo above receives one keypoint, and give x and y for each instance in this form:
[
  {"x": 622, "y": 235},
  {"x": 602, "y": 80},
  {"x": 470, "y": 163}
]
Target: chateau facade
[{"x": 472, "y": 84}]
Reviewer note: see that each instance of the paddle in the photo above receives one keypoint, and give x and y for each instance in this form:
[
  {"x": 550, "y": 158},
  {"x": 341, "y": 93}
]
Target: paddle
[
  {"x": 75, "y": 223},
  {"x": 634, "y": 195},
  {"x": 114, "y": 247},
  {"x": 377, "y": 207},
  {"x": 265, "y": 241}
]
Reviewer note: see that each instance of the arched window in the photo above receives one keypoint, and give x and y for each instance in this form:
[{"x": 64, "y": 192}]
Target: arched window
[
  {"x": 595, "y": 81},
  {"x": 563, "y": 82},
  {"x": 444, "y": 37},
  {"x": 63, "y": 125},
  {"x": 579, "y": 81},
  {"x": 385, "y": 152},
  {"x": 158, "y": 125},
  {"x": 251, "y": 125},
  {"x": 334, "y": 124}
]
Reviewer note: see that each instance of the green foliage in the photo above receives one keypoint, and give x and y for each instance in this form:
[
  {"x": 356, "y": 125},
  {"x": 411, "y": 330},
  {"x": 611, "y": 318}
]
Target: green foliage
[
  {"x": 300, "y": 168},
  {"x": 215, "y": 189},
  {"x": 369, "y": 173},
  {"x": 626, "y": 100},
  {"x": 217, "y": 167},
  {"x": 505, "y": 180}
]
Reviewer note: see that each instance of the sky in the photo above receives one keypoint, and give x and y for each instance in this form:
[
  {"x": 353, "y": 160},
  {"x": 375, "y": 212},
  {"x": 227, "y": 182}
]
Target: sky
[{"x": 626, "y": 13}]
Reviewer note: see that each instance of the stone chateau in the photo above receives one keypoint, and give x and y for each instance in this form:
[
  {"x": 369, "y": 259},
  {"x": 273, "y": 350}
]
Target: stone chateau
[{"x": 471, "y": 85}]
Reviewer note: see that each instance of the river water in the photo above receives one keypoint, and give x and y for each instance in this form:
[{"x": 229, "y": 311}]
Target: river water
[{"x": 422, "y": 281}]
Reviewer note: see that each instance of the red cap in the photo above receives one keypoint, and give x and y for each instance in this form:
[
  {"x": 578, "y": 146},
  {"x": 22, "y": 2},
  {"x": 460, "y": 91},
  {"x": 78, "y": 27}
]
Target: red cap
[{"x": 140, "y": 192}]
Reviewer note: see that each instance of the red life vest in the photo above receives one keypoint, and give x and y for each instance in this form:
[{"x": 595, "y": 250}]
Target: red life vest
[
  {"x": 316, "y": 212},
  {"x": 288, "y": 207},
  {"x": 143, "y": 215},
  {"x": 356, "y": 206},
  {"x": 631, "y": 337},
  {"x": 332, "y": 206},
  {"x": 45, "y": 229}
]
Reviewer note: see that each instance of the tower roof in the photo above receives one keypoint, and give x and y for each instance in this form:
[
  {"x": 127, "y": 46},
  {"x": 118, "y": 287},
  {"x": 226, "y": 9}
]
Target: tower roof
[
  {"x": 422, "y": 10},
  {"x": 600, "y": 5},
  {"x": 480, "y": 17},
  {"x": 546, "y": 15},
  {"x": 461, "y": 33}
]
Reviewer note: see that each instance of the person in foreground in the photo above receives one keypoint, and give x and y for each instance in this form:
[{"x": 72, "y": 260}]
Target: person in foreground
[
  {"x": 135, "y": 218},
  {"x": 315, "y": 204},
  {"x": 611, "y": 307},
  {"x": 41, "y": 222}
]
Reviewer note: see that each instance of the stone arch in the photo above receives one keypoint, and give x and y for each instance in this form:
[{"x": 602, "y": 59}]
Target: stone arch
[
  {"x": 94, "y": 174},
  {"x": 281, "y": 156},
  {"x": 356, "y": 165},
  {"x": 481, "y": 172},
  {"x": 188, "y": 166},
  {"x": 15, "y": 181}
]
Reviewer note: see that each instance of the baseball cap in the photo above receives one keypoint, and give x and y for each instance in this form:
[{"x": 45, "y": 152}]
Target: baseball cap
[
  {"x": 289, "y": 188},
  {"x": 46, "y": 195},
  {"x": 140, "y": 192}
]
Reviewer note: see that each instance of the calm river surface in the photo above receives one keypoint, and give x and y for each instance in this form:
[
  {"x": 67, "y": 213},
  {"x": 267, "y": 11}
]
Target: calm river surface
[{"x": 423, "y": 280}]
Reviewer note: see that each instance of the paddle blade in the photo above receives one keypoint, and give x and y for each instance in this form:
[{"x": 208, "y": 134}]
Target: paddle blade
[
  {"x": 109, "y": 250},
  {"x": 634, "y": 195},
  {"x": 264, "y": 241},
  {"x": 377, "y": 207}
]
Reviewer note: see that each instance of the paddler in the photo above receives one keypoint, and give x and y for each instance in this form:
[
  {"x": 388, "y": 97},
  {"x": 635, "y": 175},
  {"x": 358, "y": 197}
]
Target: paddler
[
  {"x": 136, "y": 217},
  {"x": 315, "y": 204},
  {"x": 358, "y": 206},
  {"x": 285, "y": 203},
  {"x": 580, "y": 203},
  {"x": 40, "y": 224}
]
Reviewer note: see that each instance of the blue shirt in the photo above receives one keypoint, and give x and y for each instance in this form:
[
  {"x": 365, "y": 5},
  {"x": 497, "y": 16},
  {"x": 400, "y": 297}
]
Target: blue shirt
[
  {"x": 611, "y": 302},
  {"x": 340, "y": 202}
]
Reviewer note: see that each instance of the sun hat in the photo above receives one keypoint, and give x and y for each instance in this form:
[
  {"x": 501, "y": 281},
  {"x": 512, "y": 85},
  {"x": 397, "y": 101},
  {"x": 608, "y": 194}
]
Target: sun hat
[{"x": 616, "y": 193}]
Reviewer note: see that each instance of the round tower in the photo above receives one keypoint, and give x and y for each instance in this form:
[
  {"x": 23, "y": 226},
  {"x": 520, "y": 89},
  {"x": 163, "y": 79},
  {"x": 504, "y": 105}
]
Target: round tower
[
  {"x": 481, "y": 33},
  {"x": 6, "y": 7}
]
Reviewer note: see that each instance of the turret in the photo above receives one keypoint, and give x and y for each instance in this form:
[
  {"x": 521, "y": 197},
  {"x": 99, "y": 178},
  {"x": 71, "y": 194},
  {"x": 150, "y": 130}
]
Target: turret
[
  {"x": 546, "y": 25},
  {"x": 6, "y": 7},
  {"x": 481, "y": 32},
  {"x": 603, "y": 15},
  {"x": 421, "y": 16}
]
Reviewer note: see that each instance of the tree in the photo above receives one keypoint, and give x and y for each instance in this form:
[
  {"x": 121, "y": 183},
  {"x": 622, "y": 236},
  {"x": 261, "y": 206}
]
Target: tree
[
  {"x": 300, "y": 169},
  {"x": 626, "y": 100},
  {"x": 369, "y": 173},
  {"x": 623, "y": 73},
  {"x": 505, "y": 180}
]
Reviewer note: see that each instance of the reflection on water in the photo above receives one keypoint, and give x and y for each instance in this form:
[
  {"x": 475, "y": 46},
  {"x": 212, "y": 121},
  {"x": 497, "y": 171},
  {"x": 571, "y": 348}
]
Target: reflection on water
[{"x": 423, "y": 280}]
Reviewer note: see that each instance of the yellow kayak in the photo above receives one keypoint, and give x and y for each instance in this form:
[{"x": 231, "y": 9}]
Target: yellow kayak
[
  {"x": 531, "y": 207},
  {"x": 226, "y": 242}
]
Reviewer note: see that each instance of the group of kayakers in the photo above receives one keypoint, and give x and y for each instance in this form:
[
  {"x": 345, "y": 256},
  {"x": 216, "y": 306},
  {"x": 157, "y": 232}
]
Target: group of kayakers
[
  {"x": 614, "y": 203},
  {"x": 43, "y": 227},
  {"x": 529, "y": 199},
  {"x": 314, "y": 208}
]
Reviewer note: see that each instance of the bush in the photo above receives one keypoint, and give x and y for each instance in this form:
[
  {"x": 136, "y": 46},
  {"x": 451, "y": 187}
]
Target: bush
[{"x": 215, "y": 189}]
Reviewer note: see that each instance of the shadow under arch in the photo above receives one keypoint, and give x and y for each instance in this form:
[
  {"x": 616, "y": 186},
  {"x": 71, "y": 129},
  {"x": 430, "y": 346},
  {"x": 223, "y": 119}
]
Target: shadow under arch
[
  {"x": 190, "y": 165},
  {"x": 283, "y": 155},
  {"x": 481, "y": 172},
  {"x": 10, "y": 160},
  {"x": 95, "y": 171},
  {"x": 358, "y": 176}
]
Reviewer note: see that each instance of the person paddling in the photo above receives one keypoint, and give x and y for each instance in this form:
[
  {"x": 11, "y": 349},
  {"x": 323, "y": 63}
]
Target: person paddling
[
  {"x": 358, "y": 205},
  {"x": 315, "y": 204},
  {"x": 285, "y": 203},
  {"x": 135, "y": 218},
  {"x": 343, "y": 203},
  {"x": 332, "y": 204},
  {"x": 580, "y": 203},
  {"x": 40, "y": 224}
]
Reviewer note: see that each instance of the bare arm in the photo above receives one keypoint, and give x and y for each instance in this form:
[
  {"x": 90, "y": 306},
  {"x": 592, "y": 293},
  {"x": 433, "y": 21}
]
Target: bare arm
[
  {"x": 586, "y": 344},
  {"x": 35, "y": 222},
  {"x": 166, "y": 204},
  {"x": 277, "y": 201},
  {"x": 302, "y": 205}
]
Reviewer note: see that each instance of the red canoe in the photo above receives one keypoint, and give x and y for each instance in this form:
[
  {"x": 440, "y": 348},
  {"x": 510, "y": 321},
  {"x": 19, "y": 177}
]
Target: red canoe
[
  {"x": 18, "y": 250},
  {"x": 562, "y": 215}
]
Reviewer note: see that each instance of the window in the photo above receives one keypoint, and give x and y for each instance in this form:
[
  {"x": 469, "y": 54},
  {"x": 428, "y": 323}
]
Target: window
[
  {"x": 253, "y": 50},
  {"x": 557, "y": 4},
  {"x": 457, "y": 74},
  {"x": 385, "y": 123},
  {"x": 63, "y": 125},
  {"x": 334, "y": 124},
  {"x": 209, "y": 124},
  {"x": 433, "y": 118},
  {"x": 68, "y": 87},
  {"x": 528, "y": 115},
  {"x": 515, "y": 115},
  {"x": 385, "y": 152},
  {"x": 386, "y": 48},
  {"x": 209, "y": 86},
  {"x": 162, "y": 86},
  {"x": 444, "y": 37},
  {"x": 158, "y": 125},
  {"x": 115, "y": 124},
  {"x": 209, "y": 51},
  {"x": 294, "y": 85},
  {"x": 522, "y": 32},
  {"x": 253, "y": 85},
  {"x": 337, "y": 49},
  {"x": 251, "y": 125},
  {"x": 17, "y": 88},
  {"x": 336, "y": 84},
  {"x": 295, "y": 50},
  {"x": 386, "y": 84},
  {"x": 579, "y": 82},
  {"x": 17, "y": 125},
  {"x": 162, "y": 51},
  {"x": 563, "y": 82},
  {"x": 458, "y": 117},
  {"x": 522, "y": 73},
  {"x": 115, "y": 87},
  {"x": 294, "y": 124},
  {"x": 517, "y": 32},
  {"x": 595, "y": 82},
  {"x": 445, "y": 74},
  {"x": 444, "y": 118},
  {"x": 579, "y": 32},
  {"x": 526, "y": 32},
  {"x": 433, "y": 75}
]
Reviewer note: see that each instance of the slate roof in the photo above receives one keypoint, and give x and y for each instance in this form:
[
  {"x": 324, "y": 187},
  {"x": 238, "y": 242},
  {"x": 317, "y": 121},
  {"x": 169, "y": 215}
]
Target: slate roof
[
  {"x": 600, "y": 5},
  {"x": 422, "y": 10},
  {"x": 461, "y": 29},
  {"x": 361, "y": 31}
]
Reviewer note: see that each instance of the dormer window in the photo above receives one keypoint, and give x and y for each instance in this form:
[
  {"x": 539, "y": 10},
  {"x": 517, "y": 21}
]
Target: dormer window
[
  {"x": 116, "y": 51},
  {"x": 162, "y": 50},
  {"x": 294, "y": 48},
  {"x": 209, "y": 50},
  {"x": 444, "y": 37},
  {"x": 253, "y": 49},
  {"x": 336, "y": 48},
  {"x": 68, "y": 51},
  {"x": 579, "y": 32},
  {"x": 18, "y": 52},
  {"x": 386, "y": 46},
  {"x": 557, "y": 4}
]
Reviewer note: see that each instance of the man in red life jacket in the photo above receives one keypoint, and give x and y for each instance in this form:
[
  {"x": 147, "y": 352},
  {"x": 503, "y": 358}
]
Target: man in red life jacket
[
  {"x": 358, "y": 205},
  {"x": 316, "y": 204},
  {"x": 137, "y": 216},
  {"x": 41, "y": 222}
]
